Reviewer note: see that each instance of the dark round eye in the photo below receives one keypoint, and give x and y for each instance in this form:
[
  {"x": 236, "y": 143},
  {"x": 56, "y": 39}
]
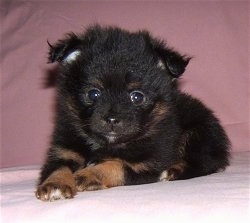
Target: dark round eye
[
  {"x": 137, "y": 97},
  {"x": 93, "y": 94}
]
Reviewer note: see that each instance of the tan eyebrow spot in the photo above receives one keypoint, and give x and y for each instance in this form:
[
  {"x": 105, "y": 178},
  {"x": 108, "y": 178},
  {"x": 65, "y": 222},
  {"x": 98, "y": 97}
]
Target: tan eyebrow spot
[
  {"x": 133, "y": 85},
  {"x": 97, "y": 83}
]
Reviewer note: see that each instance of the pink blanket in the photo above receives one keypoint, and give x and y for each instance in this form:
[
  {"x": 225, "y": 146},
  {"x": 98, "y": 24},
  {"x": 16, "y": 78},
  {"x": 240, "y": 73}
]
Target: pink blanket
[
  {"x": 215, "y": 33},
  {"x": 220, "y": 197}
]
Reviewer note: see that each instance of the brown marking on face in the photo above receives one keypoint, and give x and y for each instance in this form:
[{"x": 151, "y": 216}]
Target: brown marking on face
[
  {"x": 70, "y": 105},
  {"x": 174, "y": 171},
  {"x": 108, "y": 174},
  {"x": 59, "y": 185},
  {"x": 72, "y": 109},
  {"x": 67, "y": 154},
  {"x": 133, "y": 85},
  {"x": 159, "y": 111},
  {"x": 74, "y": 115},
  {"x": 157, "y": 115}
]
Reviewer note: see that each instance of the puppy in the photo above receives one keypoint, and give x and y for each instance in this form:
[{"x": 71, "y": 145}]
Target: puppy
[{"x": 121, "y": 119}]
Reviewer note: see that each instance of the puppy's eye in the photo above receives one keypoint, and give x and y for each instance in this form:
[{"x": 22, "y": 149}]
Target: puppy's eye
[
  {"x": 93, "y": 94},
  {"x": 137, "y": 97}
]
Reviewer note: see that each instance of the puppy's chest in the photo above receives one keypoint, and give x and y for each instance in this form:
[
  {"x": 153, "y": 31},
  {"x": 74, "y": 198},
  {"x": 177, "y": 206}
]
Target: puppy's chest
[{"x": 124, "y": 152}]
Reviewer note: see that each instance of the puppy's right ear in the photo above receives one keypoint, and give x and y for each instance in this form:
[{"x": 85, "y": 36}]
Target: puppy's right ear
[
  {"x": 172, "y": 60},
  {"x": 169, "y": 59},
  {"x": 66, "y": 50}
]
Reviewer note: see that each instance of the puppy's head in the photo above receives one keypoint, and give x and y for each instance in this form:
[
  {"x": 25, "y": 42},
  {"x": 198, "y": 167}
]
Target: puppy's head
[{"x": 116, "y": 86}]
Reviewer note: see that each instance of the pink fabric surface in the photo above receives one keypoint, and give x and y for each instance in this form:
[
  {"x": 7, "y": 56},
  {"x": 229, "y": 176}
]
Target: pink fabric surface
[
  {"x": 215, "y": 33},
  {"x": 221, "y": 197}
]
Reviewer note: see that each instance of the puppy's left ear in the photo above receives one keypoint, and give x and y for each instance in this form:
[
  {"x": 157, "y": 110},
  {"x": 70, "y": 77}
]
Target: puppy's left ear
[
  {"x": 170, "y": 59},
  {"x": 66, "y": 50}
]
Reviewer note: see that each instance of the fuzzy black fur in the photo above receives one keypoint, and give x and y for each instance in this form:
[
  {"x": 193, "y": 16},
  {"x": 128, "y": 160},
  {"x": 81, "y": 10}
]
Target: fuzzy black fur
[{"x": 118, "y": 100}]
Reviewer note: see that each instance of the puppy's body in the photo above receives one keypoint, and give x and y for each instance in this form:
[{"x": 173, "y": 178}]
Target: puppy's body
[{"x": 121, "y": 119}]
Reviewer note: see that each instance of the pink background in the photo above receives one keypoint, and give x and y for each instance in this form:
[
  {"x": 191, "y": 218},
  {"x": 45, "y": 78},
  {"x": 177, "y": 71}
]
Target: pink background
[{"x": 215, "y": 33}]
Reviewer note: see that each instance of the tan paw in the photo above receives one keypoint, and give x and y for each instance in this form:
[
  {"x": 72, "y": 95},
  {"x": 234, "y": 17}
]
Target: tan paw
[
  {"x": 88, "y": 180},
  {"x": 53, "y": 191}
]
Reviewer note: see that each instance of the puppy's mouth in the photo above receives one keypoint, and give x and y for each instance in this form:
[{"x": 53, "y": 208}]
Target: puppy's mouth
[
  {"x": 114, "y": 138},
  {"x": 111, "y": 137}
]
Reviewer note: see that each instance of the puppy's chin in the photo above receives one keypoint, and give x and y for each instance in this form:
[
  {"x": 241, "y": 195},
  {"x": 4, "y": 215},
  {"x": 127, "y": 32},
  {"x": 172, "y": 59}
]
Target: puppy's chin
[
  {"x": 111, "y": 137},
  {"x": 116, "y": 135},
  {"x": 114, "y": 138}
]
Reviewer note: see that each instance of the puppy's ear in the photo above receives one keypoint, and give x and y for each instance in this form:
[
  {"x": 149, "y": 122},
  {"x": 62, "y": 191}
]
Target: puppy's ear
[
  {"x": 66, "y": 50},
  {"x": 175, "y": 63},
  {"x": 170, "y": 59}
]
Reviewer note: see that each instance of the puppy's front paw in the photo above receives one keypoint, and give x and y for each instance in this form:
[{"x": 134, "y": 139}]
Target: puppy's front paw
[
  {"x": 59, "y": 185},
  {"x": 88, "y": 180},
  {"x": 109, "y": 173},
  {"x": 54, "y": 191}
]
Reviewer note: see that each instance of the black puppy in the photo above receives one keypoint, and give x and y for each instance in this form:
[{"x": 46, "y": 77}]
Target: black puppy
[{"x": 121, "y": 119}]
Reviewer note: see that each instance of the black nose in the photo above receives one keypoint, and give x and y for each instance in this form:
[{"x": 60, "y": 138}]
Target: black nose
[{"x": 112, "y": 120}]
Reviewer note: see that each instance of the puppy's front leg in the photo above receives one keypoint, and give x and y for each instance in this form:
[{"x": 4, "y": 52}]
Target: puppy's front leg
[
  {"x": 56, "y": 179},
  {"x": 59, "y": 185},
  {"x": 109, "y": 173}
]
